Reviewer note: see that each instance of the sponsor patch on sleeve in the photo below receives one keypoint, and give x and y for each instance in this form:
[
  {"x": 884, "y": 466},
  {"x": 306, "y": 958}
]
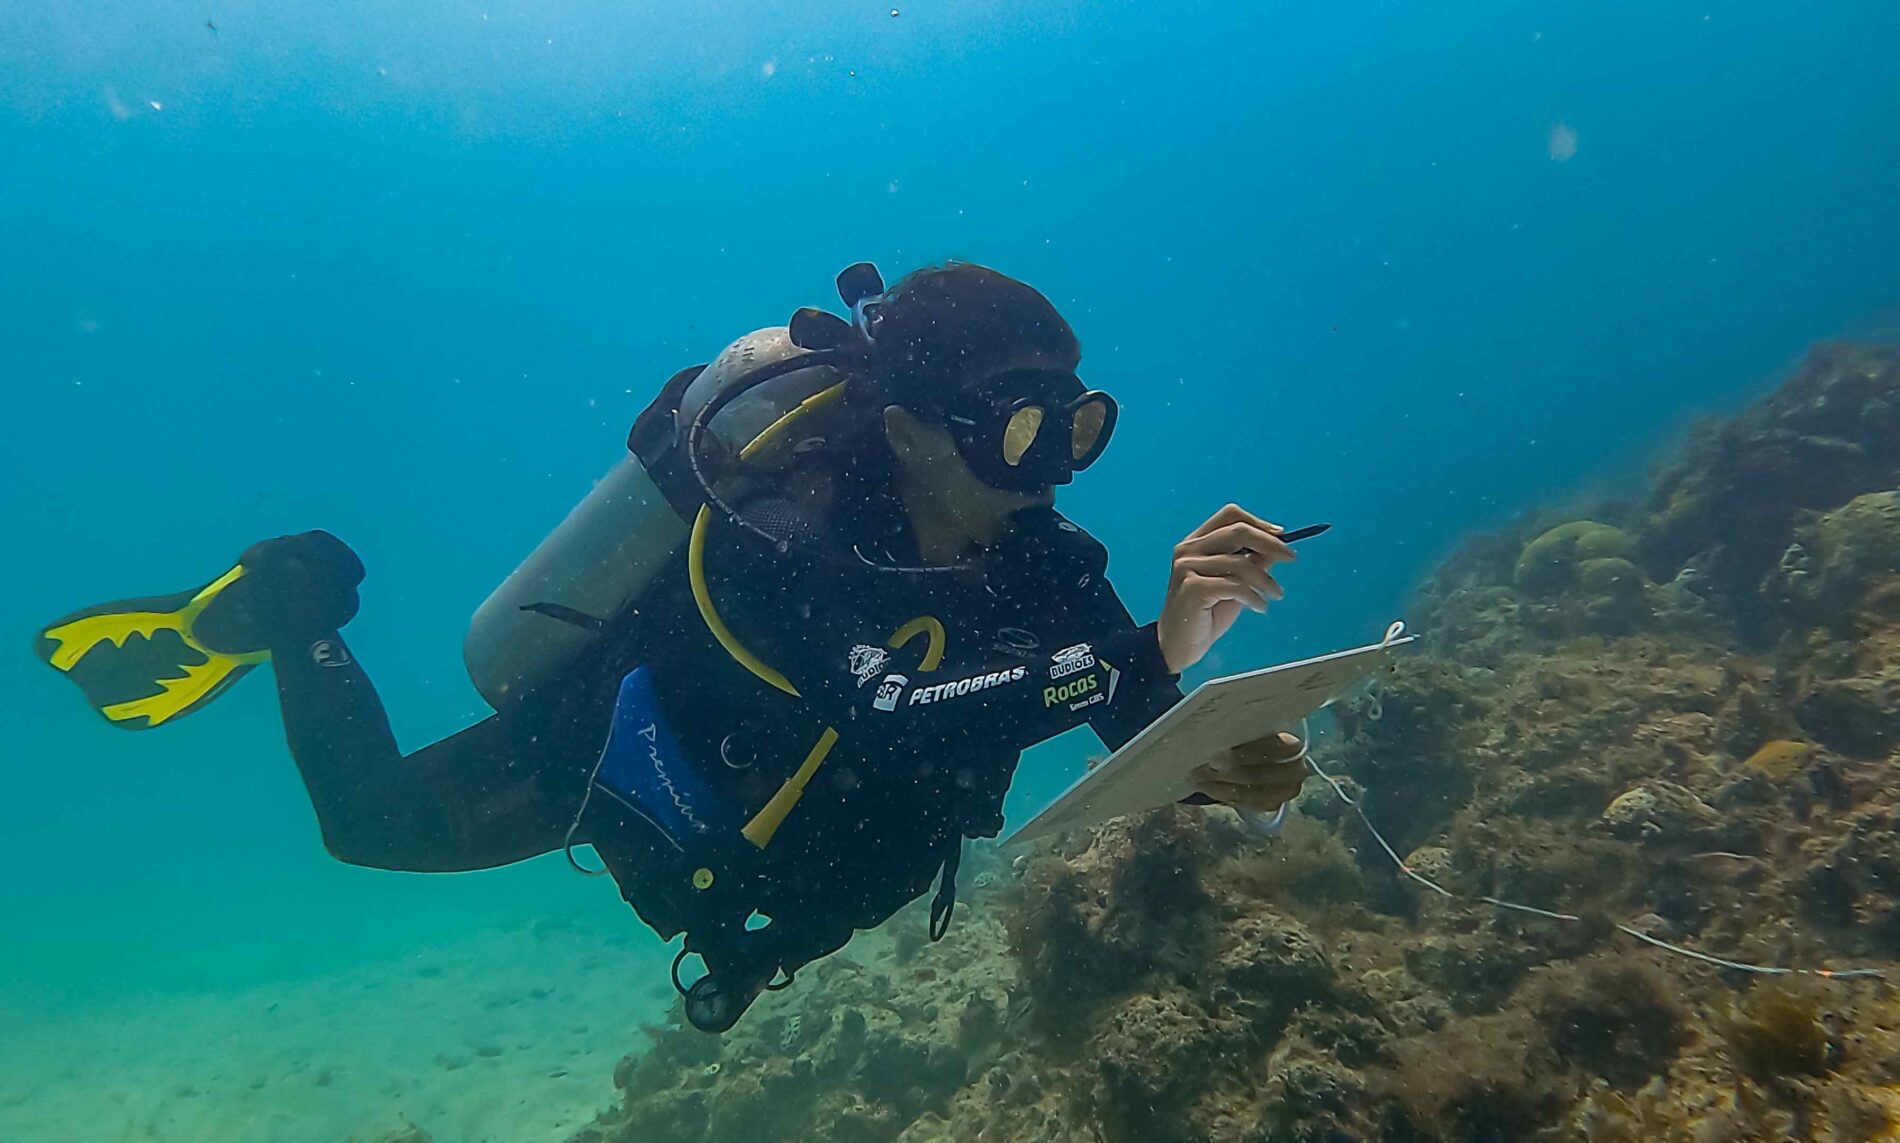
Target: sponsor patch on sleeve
[
  {"x": 868, "y": 662},
  {"x": 1083, "y": 690},
  {"x": 1071, "y": 660},
  {"x": 889, "y": 691}
]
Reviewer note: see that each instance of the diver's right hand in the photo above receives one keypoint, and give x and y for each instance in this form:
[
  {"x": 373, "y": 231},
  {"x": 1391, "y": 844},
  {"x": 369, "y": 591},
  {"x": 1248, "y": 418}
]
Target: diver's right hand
[
  {"x": 1220, "y": 568},
  {"x": 294, "y": 589}
]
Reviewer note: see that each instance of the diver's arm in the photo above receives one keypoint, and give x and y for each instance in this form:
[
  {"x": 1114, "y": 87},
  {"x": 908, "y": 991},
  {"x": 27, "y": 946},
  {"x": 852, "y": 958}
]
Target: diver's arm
[{"x": 1151, "y": 689}]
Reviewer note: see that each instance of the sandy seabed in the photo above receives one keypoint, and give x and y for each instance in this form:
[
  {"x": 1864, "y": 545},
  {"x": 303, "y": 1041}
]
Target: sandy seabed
[{"x": 473, "y": 1040}]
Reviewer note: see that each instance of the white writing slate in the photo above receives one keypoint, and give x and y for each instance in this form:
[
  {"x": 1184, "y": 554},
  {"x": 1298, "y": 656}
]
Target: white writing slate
[{"x": 1157, "y": 766}]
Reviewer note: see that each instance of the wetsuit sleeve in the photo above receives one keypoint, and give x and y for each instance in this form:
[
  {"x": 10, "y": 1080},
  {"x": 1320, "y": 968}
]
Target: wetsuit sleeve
[
  {"x": 820, "y": 623},
  {"x": 1151, "y": 688},
  {"x": 477, "y": 799}
]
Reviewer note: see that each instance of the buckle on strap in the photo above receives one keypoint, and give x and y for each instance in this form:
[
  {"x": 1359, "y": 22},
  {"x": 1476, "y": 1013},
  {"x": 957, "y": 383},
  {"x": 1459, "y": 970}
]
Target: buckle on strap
[{"x": 944, "y": 905}]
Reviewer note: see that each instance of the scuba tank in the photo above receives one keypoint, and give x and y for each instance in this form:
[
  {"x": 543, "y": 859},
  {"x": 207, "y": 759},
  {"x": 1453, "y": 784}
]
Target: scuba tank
[{"x": 597, "y": 562}]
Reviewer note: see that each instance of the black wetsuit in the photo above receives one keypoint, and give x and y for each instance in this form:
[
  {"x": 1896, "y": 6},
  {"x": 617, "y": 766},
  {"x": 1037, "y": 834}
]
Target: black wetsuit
[{"x": 1033, "y": 644}]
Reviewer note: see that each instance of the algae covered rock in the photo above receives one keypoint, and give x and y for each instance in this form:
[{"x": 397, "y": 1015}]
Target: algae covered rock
[
  {"x": 1780, "y": 758},
  {"x": 1553, "y": 562},
  {"x": 1731, "y": 498},
  {"x": 1843, "y": 568},
  {"x": 1314, "y": 1099},
  {"x": 1154, "y": 1056},
  {"x": 1613, "y": 1018},
  {"x": 1431, "y": 861},
  {"x": 1611, "y": 577},
  {"x": 1473, "y": 973},
  {"x": 1779, "y": 1030},
  {"x": 1582, "y": 578},
  {"x": 1660, "y": 813},
  {"x": 1614, "y": 592},
  {"x": 1858, "y": 716},
  {"x": 879, "y": 1045},
  {"x": 1863, "y": 536},
  {"x": 1403, "y": 750},
  {"x": 1488, "y": 1078},
  {"x": 1128, "y": 906},
  {"x": 1270, "y": 965}
]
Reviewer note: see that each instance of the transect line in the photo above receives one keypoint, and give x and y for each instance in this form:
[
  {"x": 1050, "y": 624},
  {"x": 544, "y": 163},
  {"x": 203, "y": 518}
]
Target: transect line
[{"x": 1306, "y": 754}]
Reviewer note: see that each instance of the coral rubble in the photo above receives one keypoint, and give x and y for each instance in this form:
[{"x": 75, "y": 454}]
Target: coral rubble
[{"x": 1673, "y": 720}]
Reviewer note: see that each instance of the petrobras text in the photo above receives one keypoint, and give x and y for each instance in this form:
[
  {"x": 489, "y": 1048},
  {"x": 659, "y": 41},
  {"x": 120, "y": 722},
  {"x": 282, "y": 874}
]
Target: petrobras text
[{"x": 941, "y": 691}]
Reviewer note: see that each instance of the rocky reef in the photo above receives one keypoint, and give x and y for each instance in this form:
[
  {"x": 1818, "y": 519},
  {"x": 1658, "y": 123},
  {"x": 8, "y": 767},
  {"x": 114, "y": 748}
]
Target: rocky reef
[{"x": 1667, "y": 720}]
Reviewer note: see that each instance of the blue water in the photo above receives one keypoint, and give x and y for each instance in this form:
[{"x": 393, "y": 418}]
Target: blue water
[{"x": 406, "y": 271}]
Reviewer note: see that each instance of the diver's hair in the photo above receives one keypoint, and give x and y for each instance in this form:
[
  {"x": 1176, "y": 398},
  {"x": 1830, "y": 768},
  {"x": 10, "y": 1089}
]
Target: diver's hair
[
  {"x": 857, "y": 453},
  {"x": 942, "y": 325}
]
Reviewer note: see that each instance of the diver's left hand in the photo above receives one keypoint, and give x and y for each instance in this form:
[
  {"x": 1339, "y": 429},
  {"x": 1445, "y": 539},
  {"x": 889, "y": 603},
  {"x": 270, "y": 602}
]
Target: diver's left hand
[{"x": 1261, "y": 775}]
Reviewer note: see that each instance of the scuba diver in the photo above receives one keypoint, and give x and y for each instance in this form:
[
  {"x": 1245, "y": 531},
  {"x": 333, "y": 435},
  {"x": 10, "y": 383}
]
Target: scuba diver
[{"x": 782, "y": 660}]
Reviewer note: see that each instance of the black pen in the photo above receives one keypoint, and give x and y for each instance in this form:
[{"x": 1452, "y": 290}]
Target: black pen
[
  {"x": 1298, "y": 534},
  {"x": 1294, "y": 537}
]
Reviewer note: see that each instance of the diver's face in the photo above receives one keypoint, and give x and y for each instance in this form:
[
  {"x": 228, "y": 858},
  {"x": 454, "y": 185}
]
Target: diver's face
[
  {"x": 932, "y": 465},
  {"x": 934, "y": 474},
  {"x": 976, "y": 468}
]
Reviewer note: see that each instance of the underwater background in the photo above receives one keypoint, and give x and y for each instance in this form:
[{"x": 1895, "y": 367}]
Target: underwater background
[{"x": 407, "y": 271}]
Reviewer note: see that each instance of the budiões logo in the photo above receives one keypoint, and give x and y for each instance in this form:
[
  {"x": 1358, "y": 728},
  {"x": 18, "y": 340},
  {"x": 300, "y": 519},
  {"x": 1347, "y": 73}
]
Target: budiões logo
[
  {"x": 1070, "y": 660},
  {"x": 866, "y": 661}
]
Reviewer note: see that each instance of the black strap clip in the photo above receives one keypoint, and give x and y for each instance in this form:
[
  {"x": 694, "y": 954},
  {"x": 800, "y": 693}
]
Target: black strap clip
[
  {"x": 944, "y": 905},
  {"x": 572, "y": 616}
]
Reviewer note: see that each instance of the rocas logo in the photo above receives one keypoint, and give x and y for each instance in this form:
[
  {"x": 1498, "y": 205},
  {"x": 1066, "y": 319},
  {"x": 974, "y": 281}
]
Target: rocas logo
[
  {"x": 889, "y": 691},
  {"x": 1069, "y": 660},
  {"x": 968, "y": 686},
  {"x": 1086, "y": 685}
]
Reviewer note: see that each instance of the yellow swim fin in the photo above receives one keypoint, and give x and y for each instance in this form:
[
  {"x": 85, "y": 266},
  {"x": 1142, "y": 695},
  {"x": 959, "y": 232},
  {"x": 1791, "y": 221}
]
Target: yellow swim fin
[{"x": 137, "y": 660}]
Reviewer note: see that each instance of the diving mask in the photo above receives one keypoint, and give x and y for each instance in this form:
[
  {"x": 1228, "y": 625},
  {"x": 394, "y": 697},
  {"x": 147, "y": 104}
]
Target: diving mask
[{"x": 1029, "y": 430}]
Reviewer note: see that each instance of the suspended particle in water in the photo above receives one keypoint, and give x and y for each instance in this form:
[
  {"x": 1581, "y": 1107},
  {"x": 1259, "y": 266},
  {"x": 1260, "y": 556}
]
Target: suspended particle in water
[
  {"x": 893, "y": 13},
  {"x": 155, "y": 105},
  {"x": 768, "y": 68},
  {"x": 1562, "y": 143}
]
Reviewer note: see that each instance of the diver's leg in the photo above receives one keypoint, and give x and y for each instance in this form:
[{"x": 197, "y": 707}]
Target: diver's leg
[{"x": 474, "y": 800}]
